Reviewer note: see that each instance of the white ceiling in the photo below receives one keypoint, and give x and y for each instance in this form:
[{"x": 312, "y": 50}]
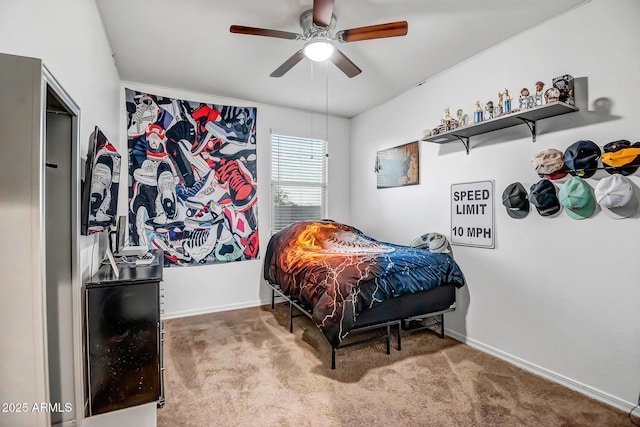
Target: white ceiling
[{"x": 186, "y": 44}]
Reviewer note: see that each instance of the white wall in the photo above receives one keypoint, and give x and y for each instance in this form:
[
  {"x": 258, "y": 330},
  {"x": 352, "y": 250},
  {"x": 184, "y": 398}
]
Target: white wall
[
  {"x": 68, "y": 36},
  {"x": 557, "y": 296},
  {"x": 202, "y": 289}
]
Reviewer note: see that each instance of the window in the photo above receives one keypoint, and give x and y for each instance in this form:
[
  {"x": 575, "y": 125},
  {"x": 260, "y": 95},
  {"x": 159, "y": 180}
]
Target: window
[{"x": 298, "y": 180}]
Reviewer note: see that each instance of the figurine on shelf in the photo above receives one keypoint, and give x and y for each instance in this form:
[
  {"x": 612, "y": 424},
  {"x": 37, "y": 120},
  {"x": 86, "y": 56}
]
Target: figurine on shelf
[
  {"x": 488, "y": 110},
  {"x": 463, "y": 119},
  {"x": 448, "y": 121},
  {"x": 497, "y": 110},
  {"x": 526, "y": 100},
  {"x": 446, "y": 114},
  {"x": 506, "y": 105},
  {"x": 477, "y": 118},
  {"x": 537, "y": 98},
  {"x": 551, "y": 95}
]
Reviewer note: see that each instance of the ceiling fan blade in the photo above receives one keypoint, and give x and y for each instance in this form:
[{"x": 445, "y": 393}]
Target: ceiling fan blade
[
  {"x": 288, "y": 64},
  {"x": 345, "y": 64},
  {"x": 239, "y": 29},
  {"x": 322, "y": 12},
  {"x": 391, "y": 29}
]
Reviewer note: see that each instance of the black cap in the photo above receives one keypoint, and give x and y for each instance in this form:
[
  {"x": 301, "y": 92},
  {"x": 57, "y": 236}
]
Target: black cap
[
  {"x": 582, "y": 158},
  {"x": 515, "y": 199},
  {"x": 543, "y": 196}
]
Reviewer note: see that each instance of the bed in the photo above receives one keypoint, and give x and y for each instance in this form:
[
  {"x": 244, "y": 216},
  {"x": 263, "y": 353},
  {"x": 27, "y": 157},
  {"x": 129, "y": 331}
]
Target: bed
[{"x": 348, "y": 282}]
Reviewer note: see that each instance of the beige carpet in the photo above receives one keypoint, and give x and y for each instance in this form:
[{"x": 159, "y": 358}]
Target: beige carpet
[{"x": 244, "y": 368}]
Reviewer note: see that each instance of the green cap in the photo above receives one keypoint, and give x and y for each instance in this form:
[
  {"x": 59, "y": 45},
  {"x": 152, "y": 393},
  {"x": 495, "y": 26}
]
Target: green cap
[{"x": 576, "y": 197}]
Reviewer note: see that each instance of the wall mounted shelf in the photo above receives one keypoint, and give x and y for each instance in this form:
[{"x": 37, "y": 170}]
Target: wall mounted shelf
[{"x": 528, "y": 117}]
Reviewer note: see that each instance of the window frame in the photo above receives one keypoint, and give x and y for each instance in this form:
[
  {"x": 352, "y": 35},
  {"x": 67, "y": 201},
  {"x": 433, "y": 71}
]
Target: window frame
[{"x": 276, "y": 182}]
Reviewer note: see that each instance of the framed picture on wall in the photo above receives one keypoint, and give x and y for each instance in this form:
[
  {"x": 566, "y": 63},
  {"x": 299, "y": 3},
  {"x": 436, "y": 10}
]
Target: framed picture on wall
[{"x": 398, "y": 166}]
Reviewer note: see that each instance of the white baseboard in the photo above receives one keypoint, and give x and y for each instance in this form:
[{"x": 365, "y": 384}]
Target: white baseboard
[
  {"x": 213, "y": 309},
  {"x": 545, "y": 373}
]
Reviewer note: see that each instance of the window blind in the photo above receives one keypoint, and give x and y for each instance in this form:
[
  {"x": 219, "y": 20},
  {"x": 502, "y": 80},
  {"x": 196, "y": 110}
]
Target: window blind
[{"x": 298, "y": 180}]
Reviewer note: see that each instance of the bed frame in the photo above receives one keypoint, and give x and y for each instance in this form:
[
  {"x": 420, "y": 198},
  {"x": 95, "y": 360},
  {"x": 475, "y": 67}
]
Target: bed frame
[{"x": 394, "y": 312}]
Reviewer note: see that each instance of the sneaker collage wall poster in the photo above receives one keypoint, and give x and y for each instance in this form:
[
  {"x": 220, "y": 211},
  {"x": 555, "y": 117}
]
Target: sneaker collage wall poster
[{"x": 192, "y": 179}]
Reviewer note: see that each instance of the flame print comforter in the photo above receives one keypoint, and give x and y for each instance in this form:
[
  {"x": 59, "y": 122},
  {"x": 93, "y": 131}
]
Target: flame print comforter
[{"x": 341, "y": 272}]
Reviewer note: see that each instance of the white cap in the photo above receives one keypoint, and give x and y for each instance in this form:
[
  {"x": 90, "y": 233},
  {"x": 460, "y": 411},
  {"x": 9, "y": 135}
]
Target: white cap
[
  {"x": 438, "y": 244},
  {"x": 615, "y": 196},
  {"x": 549, "y": 162}
]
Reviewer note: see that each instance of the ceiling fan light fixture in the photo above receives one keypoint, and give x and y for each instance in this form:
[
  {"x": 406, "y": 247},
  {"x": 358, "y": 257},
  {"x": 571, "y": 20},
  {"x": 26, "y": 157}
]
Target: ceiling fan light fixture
[
  {"x": 318, "y": 50},
  {"x": 318, "y": 25}
]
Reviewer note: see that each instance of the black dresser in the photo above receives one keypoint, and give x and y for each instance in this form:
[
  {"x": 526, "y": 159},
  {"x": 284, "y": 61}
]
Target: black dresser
[{"x": 123, "y": 337}]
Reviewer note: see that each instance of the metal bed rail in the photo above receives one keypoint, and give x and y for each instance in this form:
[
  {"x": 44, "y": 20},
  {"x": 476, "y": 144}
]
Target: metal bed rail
[
  {"x": 438, "y": 315},
  {"x": 305, "y": 310}
]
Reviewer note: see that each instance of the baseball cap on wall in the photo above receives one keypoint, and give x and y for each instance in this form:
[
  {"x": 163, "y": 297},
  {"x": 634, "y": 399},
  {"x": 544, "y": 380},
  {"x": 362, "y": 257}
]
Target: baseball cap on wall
[
  {"x": 581, "y": 158},
  {"x": 615, "y": 196},
  {"x": 543, "y": 196},
  {"x": 549, "y": 164},
  {"x": 438, "y": 243},
  {"x": 515, "y": 199},
  {"x": 621, "y": 157},
  {"x": 575, "y": 195}
]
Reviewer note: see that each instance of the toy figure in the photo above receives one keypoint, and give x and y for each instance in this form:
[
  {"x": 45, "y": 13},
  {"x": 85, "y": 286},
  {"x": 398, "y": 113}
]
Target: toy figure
[
  {"x": 526, "y": 100},
  {"x": 539, "y": 94},
  {"x": 478, "y": 114},
  {"x": 552, "y": 95},
  {"x": 506, "y": 105},
  {"x": 448, "y": 121},
  {"x": 488, "y": 110},
  {"x": 463, "y": 119},
  {"x": 498, "y": 110}
]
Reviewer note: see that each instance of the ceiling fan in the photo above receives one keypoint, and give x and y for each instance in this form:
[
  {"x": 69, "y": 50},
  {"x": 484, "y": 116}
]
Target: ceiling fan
[{"x": 318, "y": 25}]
